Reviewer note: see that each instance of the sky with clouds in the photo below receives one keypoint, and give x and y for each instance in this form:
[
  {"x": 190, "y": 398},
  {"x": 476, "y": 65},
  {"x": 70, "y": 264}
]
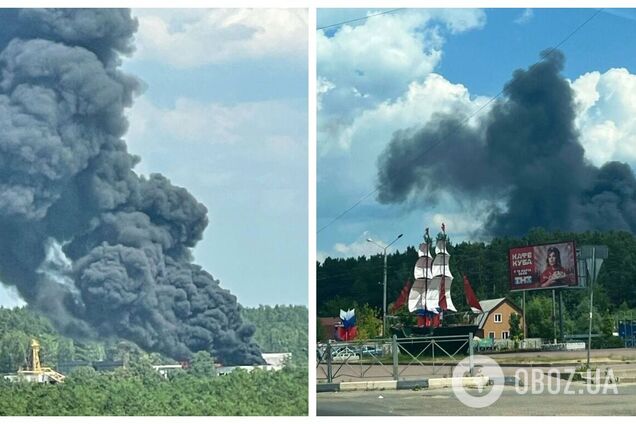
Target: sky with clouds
[
  {"x": 394, "y": 71},
  {"x": 224, "y": 114}
]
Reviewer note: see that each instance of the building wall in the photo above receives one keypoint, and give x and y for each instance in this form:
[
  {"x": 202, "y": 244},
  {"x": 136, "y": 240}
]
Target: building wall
[
  {"x": 328, "y": 328},
  {"x": 506, "y": 310},
  {"x": 28, "y": 377}
]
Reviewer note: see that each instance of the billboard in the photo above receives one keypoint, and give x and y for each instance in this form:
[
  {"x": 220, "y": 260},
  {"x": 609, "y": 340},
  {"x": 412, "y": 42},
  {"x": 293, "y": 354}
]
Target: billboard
[{"x": 545, "y": 266}]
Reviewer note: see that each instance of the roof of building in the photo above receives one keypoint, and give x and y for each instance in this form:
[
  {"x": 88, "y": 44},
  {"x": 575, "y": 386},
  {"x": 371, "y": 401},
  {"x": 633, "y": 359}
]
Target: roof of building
[
  {"x": 277, "y": 359},
  {"x": 490, "y": 304},
  {"x": 487, "y": 306}
]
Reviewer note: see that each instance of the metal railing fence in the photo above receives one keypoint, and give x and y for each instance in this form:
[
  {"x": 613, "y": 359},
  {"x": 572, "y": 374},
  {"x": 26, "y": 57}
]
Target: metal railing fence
[{"x": 392, "y": 358}]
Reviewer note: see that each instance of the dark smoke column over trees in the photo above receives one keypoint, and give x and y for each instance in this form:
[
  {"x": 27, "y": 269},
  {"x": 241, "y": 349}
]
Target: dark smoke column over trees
[
  {"x": 523, "y": 156},
  {"x": 66, "y": 181}
]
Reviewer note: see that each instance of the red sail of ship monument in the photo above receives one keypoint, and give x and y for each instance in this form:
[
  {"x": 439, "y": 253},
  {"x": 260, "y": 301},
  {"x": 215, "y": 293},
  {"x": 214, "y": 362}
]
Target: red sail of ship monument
[{"x": 471, "y": 299}]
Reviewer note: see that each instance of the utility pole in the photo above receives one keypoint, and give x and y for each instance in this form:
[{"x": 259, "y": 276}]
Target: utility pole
[
  {"x": 589, "y": 333},
  {"x": 384, "y": 297},
  {"x": 525, "y": 331},
  {"x": 384, "y": 248},
  {"x": 554, "y": 323},
  {"x": 561, "y": 335},
  {"x": 593, "y": 256}
]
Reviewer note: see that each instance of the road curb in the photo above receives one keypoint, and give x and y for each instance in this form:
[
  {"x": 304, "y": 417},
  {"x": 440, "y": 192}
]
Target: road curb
[
  {"x": 412, "y": 384},
  {"x": 426, "y": 383},
  {"x": 371, "y": 385},
  {"x": 327, "y": 387}
]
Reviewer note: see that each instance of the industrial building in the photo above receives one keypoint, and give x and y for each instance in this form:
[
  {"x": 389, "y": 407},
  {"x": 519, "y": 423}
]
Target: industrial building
[{"x": 34, "y": 371}]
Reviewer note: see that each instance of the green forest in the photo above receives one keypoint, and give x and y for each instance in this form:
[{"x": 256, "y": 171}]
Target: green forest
[
  {"x": 280, "y": 329},
  {"x": 353, "y": 282},
  {"x": 140, "y": 390},
  {"x": 136, "y": 388}
]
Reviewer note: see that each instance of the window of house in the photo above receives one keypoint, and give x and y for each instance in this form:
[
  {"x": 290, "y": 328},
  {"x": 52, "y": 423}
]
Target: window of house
[
  {"x": 491, "y": 335},
  {"x": 505, "y": 335},
  {"x": 497, "y": 317}
]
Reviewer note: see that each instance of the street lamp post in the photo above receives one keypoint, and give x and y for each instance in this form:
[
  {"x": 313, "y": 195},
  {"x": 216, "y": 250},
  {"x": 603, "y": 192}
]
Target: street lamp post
[{"x": 384, "y": 248}]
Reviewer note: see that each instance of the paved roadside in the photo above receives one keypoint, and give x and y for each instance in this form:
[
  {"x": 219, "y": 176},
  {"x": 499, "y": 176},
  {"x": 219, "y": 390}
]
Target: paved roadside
[{"x": 444, "y": 402}]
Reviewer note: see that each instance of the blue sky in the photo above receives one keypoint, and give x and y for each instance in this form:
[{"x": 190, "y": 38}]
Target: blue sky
[
  {"x": 394, "y": 71},
  {"x": 224, "y": 115}
]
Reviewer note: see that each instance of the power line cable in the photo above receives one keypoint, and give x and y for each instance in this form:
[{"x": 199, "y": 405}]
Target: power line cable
[
  {"x": 355, "y": 272},
  {"x": 359, "y": 19},
  {"x": 464, "y": 121}
]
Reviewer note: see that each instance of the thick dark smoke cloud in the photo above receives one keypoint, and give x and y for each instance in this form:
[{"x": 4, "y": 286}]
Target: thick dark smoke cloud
[
  {"x": 67, "y": 185},
  {"x": 524, "y": 153}
]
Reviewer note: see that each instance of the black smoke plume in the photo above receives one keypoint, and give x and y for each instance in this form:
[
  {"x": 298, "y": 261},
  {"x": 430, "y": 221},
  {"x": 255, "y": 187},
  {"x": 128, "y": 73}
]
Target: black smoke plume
[
  {"x": 100, "y": 250},
  {"x": 523, "y": 156}
]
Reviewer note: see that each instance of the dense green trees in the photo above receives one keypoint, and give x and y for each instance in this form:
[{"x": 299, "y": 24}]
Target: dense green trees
[
  {"x": 141, "y": 391},
  {"x": 341, "y": 283},
  {"x": 280, "y": 329},
  {"x": 202, "y": 364},
  {"x": 138, "y": 389}
]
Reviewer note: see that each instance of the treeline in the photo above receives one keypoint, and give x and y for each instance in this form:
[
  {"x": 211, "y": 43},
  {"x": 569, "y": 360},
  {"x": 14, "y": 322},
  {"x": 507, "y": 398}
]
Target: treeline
[
  {"x": 137, "y": 389},
  {"x": 278, "y": 329},
  {"x": 349, "y": 282},
  {"x": 140, "y": 390},
  {"x": 19, "y": 325}
]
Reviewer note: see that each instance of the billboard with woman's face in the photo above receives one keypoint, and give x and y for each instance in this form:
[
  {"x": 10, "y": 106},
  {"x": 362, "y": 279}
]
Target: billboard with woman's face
[{"x": 543, "y": 266}]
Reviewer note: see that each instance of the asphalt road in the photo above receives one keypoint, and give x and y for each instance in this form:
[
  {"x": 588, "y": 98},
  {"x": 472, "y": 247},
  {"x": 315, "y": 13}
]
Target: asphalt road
[{"x": 444, "y": 402}]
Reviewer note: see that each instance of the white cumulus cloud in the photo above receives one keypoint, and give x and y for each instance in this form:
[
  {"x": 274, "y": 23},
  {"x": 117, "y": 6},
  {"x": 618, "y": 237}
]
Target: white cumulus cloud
[
  {"x": 363, "y": 65},
  {"x": 196, "y": 37},
  {"x": 606, "y": 115},
  {"x": 414, "y": 109}
]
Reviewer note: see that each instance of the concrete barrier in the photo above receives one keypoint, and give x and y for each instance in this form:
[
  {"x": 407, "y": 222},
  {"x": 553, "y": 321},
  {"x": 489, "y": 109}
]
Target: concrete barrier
[
  {"x": 431, "y": 383},
  {"x": 368, "y": 385},
  {"x": 327, "y": 387},
  {"x": 439, "y": 383}
]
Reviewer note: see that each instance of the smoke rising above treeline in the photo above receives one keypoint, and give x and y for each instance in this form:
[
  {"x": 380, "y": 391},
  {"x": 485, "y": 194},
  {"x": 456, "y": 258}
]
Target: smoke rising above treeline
[
  {"x": 98, "y": 249},
  {"x": 524, "y": 157}
]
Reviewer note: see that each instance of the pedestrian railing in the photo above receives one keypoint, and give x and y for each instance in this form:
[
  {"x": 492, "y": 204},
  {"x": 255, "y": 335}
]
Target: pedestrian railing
[{"x": 394, "y": 358}]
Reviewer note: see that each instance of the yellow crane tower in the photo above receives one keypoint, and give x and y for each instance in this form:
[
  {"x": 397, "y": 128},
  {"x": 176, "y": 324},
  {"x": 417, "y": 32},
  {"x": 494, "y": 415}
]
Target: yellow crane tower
[{"x": 35, "y": 372}]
